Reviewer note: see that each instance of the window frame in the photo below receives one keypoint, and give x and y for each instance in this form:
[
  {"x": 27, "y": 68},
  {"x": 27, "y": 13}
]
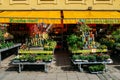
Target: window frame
[
  {"x": 0, "y": 1},
  {"x": 47, "y": 2},
  {"x": 72, "y": 1},
  {"x": 19, "y": 2},
  {"x": 103, "y": 2}
]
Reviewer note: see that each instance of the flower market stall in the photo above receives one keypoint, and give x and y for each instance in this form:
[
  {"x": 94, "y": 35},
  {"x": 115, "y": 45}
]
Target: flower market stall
[
  {"x": 86, "y": 51},
  {"x": 6, "y": 46},
  {"x": 38, "y": 50}
]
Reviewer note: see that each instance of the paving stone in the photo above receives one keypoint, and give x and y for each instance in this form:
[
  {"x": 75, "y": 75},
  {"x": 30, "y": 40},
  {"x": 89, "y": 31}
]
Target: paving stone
[
  {"x": 40, "y": 78},
  {"x": 72, "y": 75},
  {"x": 3, "y": 75},
  {"x": 62, "y": 78},
  {"x": 52, "y": 75},
  {"x": 108, "y": 77},
  {"x": 72, "y": 79},
  {"x": 50, "y": 79},
  {"x": 101, "y": 77},
  {"x": 80, "y": 74},
  {"x": 21, "y": 77},
  {"x": 61, "y": 75},
  {"x": 10, "y": 76},
  {"x": 83, "y": 78},
  {"x": 92, "y": 76},
  {"x": 117, "y": 75}
]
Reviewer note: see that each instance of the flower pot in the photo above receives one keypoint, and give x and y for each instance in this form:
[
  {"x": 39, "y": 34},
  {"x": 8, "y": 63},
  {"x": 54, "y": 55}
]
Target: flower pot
[
  {"x": 78, "y": 60},
  {"x": 16, "y": 61}
]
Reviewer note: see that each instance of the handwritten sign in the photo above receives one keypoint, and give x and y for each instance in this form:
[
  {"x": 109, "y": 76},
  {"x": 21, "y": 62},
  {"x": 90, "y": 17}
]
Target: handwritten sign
[
  {"x": 21, "y": 20},
  {"x": 93, "y": 50}
]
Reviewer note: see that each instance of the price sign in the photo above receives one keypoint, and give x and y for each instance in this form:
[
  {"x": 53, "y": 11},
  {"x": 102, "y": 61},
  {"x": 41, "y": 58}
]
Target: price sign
[{"x": 93, "y": 50}]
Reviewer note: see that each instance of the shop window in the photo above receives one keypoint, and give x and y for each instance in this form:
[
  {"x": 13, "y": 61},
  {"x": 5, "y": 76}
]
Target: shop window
[
  {"x": 75, "y": 1},
  {"x": 103, "y": 1},
  {"x": 47, "y": 1},
  {"x": 19, "y": 1}
]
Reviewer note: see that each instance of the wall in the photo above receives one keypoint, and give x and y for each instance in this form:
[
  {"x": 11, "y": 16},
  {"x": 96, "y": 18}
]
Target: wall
[{"x": 59, "y": 5}]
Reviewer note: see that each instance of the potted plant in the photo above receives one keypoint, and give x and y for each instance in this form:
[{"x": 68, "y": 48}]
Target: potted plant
[
  {"x": 31, "y": 58},
  {"x": 106, "y": 57},
  {"x": 76, "y": 57},
  {"x": 96, "y": 68},
  {"x": 99, "y": 57},
  {"x": 22, "y": 58},
  {"x": 47, "y": 58},
  {"x": 91, "y": 58},
  {"x": 84, "y": 58},
  {"x": 16, "y": 59},
  {"x": 118, "y": 46},
  {"x": 39, "y": 58},
  {"x": 72, "y": 41}
]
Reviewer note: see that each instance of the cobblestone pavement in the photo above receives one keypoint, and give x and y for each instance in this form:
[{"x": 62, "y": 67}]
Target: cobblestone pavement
[
  {"x": 8, "y": 72},
  {"x": 59, "y": 74}
]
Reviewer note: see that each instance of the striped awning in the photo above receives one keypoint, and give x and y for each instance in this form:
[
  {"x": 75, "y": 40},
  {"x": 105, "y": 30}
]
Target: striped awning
[
  {"x": 30, "y": 17},
  {"x": 92, "y": 17}
]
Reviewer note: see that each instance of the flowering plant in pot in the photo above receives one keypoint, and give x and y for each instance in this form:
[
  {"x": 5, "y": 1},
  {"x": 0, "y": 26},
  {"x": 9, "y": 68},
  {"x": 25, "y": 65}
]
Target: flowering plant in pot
[{"x": 47, "y": 58}]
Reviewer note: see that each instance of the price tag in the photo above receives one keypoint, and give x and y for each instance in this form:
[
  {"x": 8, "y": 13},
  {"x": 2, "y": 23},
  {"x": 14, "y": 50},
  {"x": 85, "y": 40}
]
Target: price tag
[{"x": 93, "y": 50}]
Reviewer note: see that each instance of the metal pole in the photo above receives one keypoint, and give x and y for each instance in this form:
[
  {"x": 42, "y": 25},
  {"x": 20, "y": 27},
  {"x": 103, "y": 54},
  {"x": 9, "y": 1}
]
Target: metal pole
[
  {"x": 19, "y": 68},
  {"x": 0, "y": 60}
]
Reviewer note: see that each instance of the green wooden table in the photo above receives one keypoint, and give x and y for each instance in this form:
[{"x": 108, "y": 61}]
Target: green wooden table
[
  {"x": 89, "y": 51},
  {"x": 35, "y": 52}
]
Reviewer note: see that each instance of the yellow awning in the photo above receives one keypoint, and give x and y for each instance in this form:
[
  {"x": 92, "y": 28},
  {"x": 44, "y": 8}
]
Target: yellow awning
[
  {"x": 30, "y": 17},
  {"x": 95, "y": 17}
]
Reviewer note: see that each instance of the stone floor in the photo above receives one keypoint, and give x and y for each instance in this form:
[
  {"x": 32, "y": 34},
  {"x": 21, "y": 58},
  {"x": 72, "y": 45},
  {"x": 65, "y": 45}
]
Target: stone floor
[{"x": 60, "y": 70}]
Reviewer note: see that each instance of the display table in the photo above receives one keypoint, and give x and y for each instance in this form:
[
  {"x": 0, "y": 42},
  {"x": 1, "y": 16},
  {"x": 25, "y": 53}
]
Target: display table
[
  {"x": 79, "y": 63},
  {"x": 9, "y": 48},
  {"x": 21, "y": 65}
]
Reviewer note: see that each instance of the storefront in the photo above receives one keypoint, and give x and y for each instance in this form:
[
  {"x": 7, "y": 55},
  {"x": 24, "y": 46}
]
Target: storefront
[
  {"x": 22, "y": 23},
  {"x": 61, "y": 25}
]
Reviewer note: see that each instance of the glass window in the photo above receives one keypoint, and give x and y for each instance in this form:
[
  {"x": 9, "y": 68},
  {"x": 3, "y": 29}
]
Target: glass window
[
  {"x": 47, "y": 1},
  {"x": 75, "y": 1},
  {"x": 19, "y": 1},
  {"x": 103, "y": 1}
]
